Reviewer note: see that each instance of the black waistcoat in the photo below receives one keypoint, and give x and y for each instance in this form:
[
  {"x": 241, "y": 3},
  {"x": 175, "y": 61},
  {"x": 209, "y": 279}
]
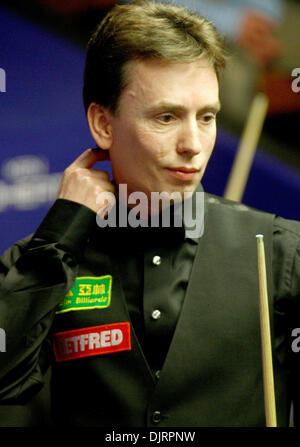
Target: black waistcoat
[{"x": 212, "y": 375}]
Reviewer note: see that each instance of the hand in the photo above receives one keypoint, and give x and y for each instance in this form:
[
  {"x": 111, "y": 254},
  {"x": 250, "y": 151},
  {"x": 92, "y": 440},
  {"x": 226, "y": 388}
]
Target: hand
[{"x": 82, "y": 184}]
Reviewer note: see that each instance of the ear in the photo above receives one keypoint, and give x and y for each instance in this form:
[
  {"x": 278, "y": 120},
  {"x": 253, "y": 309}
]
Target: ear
[{"x": 99, "y": 124}]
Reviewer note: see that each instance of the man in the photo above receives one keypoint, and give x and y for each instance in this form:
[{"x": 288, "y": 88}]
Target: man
[{"x": 148, "y": 326}]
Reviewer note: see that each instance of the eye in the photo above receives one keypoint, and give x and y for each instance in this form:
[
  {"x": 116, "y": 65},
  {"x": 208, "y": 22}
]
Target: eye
[
  {"x": 165, "y": 118},
  {"x": 208, "y": 118}
]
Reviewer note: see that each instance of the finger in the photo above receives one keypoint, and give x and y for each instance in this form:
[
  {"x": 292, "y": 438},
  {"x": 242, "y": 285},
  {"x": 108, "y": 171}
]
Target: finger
[
  {"x": 89, "y": 158},
  {"x": 98, "y": 173}
]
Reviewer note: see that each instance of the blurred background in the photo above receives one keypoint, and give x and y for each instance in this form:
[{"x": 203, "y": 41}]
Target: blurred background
[{"x": 43, "y": 126}]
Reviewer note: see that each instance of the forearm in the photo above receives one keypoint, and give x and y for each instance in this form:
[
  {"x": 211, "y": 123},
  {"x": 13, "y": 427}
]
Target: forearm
[{"x": 35, "y": 276}]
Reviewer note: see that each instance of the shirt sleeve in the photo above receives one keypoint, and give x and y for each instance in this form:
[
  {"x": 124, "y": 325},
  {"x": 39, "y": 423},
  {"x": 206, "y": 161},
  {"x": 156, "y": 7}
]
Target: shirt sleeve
[
  {"x": 286, "y": 274},
  {"x": 35, "y": 274},
  {"x": 286, "y": 259},
  {"x": 286, "y": 283}
]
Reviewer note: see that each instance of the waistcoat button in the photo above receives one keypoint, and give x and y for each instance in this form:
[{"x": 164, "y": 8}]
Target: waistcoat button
[
  {"x": 156, "y": 260},
  {"x": 156, "y": 314},
  {"x": 156, "y": 417}
]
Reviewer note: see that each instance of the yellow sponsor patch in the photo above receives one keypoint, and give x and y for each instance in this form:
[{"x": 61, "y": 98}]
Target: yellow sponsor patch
[{"x": 88, "y": 292}]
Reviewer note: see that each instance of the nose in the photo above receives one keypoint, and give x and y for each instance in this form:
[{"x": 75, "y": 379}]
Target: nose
[{"x": 189, "y": 139}]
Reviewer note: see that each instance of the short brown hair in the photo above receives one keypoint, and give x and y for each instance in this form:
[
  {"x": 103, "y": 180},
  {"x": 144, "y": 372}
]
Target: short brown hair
[{"x": 145, "y": 30}]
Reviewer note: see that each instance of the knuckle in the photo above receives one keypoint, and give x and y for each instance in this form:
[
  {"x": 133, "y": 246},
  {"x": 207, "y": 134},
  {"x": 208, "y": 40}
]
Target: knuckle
[
  {"x": 67, "y": 171},
  {"x": 104, "y": 175},
  {"x": 79, "y": 174}
]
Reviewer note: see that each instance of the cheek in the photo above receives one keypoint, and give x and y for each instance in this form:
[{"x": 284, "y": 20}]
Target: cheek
[
  {"x": 127, "y": 156},
  {"x": 149, "y": 147},
  {"x": 209, "y": 150},
  {"x": 138, "y": 148},
  {"x": 211, "y": 139}
]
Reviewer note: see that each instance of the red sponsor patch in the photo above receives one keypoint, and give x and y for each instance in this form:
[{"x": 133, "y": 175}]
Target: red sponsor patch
[{"x": 94, "y": 340}]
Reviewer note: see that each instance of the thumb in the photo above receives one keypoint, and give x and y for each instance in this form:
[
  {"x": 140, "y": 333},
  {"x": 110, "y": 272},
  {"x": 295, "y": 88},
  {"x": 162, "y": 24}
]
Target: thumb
[{"x": 90, "y": 157}]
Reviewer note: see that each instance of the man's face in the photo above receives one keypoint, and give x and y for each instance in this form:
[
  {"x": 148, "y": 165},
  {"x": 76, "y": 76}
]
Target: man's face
[{"x": 165, "y": 128}]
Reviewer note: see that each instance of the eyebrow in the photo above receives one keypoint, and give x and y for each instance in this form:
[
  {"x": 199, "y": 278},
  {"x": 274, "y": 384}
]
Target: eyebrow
[{"x": 166, "y": 106}]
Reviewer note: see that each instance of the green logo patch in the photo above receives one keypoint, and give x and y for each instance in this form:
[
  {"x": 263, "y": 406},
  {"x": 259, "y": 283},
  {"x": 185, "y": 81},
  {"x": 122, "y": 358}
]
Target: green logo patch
[{"x": 88, "y": 292}]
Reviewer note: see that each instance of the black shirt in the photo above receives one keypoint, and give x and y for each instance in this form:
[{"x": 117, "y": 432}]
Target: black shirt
[
  {"x": 36, "y": 273},
  {"x": 155, "y": 265}
]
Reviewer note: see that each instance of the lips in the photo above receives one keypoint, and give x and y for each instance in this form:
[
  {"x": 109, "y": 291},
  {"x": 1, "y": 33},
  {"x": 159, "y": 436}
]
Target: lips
[
  {"x": 183, "y": 173},
  {"x": 184, "y": 169}
]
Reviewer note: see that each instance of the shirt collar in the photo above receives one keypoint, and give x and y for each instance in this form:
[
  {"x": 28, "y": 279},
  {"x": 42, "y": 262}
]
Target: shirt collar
[
  {"x": 189, "y": 223},
  {"x": 193, "y": 215}
]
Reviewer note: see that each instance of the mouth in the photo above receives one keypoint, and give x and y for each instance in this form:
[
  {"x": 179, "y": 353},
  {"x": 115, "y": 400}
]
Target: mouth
[{"x": 183, "y": 173}]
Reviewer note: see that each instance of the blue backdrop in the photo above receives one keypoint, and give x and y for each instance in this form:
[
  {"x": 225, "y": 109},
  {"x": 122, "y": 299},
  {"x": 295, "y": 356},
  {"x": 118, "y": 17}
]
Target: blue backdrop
[{"x": 43, "y": 128}]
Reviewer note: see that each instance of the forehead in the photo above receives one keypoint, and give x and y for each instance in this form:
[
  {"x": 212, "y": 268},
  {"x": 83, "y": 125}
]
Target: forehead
[{"x": 155, "y": 80}]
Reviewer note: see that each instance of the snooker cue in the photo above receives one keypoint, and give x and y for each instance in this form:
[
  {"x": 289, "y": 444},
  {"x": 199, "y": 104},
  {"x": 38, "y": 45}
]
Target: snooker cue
[
  {"x": 267, "y": 364},
  {"x": 246, "y": 150}
]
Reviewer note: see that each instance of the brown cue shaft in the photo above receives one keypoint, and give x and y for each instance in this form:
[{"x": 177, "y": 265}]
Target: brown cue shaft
[
  {"x": 246, "y": 150},
  {"x": 266, "y": 346}
]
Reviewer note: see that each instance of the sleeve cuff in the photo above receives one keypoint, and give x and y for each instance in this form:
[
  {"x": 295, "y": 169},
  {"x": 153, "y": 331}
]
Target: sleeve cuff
[{"x": 69, "y": 224}]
